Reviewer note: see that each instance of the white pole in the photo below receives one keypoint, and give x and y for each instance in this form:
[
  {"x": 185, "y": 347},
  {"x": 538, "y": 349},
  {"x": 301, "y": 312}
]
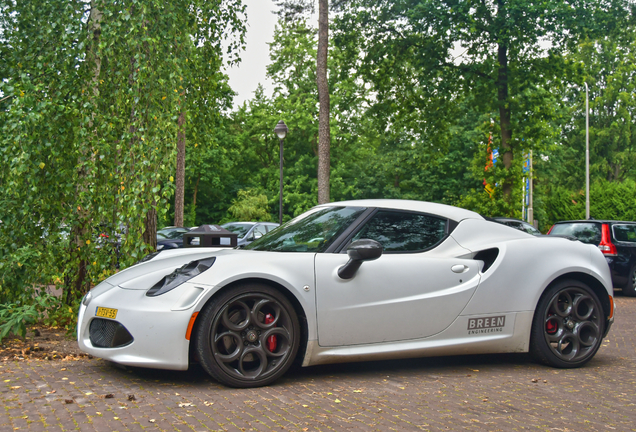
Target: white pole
[
  {"x": 587, "y": 153},
  {"x": 530, "y": 209}
]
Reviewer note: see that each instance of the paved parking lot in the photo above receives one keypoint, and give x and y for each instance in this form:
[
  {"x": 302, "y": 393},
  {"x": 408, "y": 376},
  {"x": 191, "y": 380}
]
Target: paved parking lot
[{"x": 488, "y": 393}]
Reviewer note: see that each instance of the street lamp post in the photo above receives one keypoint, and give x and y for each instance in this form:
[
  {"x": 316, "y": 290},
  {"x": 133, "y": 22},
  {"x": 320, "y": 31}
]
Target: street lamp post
[
  {"x": 587, "y": 154},
  {"x": 281, "y": 131}
]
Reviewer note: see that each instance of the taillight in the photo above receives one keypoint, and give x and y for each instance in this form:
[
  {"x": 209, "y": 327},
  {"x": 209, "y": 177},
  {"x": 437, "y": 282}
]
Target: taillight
[
  {"x": 550, "y": 230},
  {"x": 606, "y": 246}
]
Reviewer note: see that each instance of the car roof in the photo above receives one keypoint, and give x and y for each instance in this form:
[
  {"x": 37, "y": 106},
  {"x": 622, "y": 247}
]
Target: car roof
[
  {"x": 507, "y": 219},
  {"x": 251, "y": 223},
  {"x": 449, "y": 212},
  {"x": 594, "y": 221}
]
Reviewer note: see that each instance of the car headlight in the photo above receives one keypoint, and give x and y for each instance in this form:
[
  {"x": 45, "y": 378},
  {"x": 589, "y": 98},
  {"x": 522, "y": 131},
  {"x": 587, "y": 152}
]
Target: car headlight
[
  {"x": 179, "y": 276},
  {"x": 87, "y": 299}
]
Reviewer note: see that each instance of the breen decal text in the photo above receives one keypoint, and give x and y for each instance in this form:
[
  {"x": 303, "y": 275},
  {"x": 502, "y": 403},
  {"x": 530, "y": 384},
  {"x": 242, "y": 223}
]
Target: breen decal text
[{"x": 486, "y": 325}]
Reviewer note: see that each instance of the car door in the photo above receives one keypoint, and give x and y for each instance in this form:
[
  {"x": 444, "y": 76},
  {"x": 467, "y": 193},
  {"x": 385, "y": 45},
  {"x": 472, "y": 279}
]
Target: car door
[{"x": 412, "y": 291}]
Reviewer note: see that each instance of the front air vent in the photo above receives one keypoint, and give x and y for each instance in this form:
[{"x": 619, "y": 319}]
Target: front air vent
[
  {"x": 109, "y": 334},
  {"x": 488, "y": 256}
]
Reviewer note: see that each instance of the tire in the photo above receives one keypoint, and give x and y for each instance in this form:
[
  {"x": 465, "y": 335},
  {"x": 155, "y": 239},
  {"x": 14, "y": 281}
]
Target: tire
[
  {"x": 235, "y": 343},
  {"x": 629, "y": 289},
  {"x": 568, "y": 325}
]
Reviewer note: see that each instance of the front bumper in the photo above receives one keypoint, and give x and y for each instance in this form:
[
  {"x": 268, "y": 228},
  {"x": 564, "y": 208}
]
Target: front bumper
[{"x": 157, "y": 326}]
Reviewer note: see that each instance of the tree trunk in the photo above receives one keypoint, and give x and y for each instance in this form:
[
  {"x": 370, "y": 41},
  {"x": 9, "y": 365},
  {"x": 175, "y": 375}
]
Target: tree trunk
[
  {"x": 150, "y": 233},
  {"x": 76, "y": 284},
  {"x": 324, "y": 137},
  {"x": 505, "y": 118},
  {"x": 196, "y": 190},
  {"x": 180, "y": 177}
]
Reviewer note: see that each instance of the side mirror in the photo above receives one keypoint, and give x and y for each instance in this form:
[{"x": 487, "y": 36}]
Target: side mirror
[
  {"x": 258, "y": 235},
  {"x": 359, "y": 251}
]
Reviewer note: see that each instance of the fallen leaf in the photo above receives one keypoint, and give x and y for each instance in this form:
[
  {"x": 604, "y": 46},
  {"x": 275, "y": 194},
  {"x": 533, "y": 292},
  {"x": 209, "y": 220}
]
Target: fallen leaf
[
  {"x": 305, "y": 406},
  {"x": 337, "y": 401},
  {"x": 151, "y": 420},
  {"x": 15, "y": 387},
  {"x": 109, "y": 396},
  {"x": 68, "y": 401},
  {"x": 357, "y": 391}
]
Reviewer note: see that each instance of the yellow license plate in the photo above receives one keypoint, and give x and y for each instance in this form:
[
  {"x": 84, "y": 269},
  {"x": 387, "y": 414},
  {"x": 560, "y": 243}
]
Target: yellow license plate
[{"x": 106, "y": 312}]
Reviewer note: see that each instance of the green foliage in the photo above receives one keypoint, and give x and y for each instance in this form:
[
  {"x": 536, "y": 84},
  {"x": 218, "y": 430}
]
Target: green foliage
[
  {"x": 608, "y": 200},
  {"x": 14, "y": 317},
  {"x": 61, "y": 314},
  {"x": 250, "y": 205},
  {"x": 90, "y": 94}
]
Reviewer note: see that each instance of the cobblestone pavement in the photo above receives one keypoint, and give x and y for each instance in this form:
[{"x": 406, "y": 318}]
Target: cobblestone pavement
[{"x": 485, "y": 393}]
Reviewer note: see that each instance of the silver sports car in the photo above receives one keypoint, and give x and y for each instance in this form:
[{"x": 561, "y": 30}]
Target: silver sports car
[{"x": 353, "y": 281}]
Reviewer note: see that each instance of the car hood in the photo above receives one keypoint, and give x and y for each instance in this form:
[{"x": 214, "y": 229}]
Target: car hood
[{"x": 144, "y": 275}]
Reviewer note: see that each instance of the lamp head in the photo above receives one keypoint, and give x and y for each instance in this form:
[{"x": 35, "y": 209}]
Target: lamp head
[{"x": 281, "y": 130}]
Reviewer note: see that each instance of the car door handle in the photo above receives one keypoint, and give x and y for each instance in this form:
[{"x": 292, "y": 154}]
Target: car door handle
[{"x": 459, "y": 268}]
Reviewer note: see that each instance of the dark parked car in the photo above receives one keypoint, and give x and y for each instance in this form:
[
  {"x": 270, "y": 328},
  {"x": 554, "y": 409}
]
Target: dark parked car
[
  {"x": 170, "y": 238},
  {"x": 617, "y": 241},
  {"x": 249, "y": 231},
  {"x": 517, "y": 224}
]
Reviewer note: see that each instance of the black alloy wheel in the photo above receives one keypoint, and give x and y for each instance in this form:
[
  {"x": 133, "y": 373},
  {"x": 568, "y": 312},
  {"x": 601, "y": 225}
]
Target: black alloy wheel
[
  {"x": 248, "y": 337},
  {"x": 568, "y": 325},
  {"x": 629, "y": 289}
]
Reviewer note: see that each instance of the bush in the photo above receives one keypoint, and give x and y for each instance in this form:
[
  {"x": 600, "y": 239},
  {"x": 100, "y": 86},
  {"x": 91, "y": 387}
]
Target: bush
[{"x": 608, "y": 200}]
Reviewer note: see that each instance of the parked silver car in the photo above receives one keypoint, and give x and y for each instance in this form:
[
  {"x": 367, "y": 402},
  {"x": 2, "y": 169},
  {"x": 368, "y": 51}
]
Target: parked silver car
[{"x": 249, "y": 231}]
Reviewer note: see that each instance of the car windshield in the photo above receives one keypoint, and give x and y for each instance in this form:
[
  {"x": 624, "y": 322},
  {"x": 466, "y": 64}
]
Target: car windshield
[
  {"x": 530, "y": 229},
  {"x": 238, "y": 228},
  {"x": 586, "y": 232},
  {"x": 310, "y": 232},
  {"x": 171, "y": 234}
]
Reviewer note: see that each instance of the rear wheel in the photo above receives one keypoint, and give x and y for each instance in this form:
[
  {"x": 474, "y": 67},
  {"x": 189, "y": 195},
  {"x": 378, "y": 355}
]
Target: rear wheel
[
  {"x": 248, "y": 337},
  {"x": 630, "y": 287},
  {"x": 568, "y": 325}
]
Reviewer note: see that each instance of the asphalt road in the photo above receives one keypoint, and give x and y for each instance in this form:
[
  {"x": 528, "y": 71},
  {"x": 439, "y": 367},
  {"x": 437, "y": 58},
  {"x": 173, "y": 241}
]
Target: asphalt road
[{"x": 486, "y": 393}]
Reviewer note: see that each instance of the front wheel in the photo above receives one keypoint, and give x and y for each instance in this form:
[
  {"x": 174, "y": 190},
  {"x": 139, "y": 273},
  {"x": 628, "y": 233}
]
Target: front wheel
[
  {"x": 568, "y": 325},
  {"x": 248, "y": 337}
]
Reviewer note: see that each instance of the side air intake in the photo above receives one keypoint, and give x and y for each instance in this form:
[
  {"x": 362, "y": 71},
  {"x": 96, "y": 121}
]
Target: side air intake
[{"x": 488, "y": 256}]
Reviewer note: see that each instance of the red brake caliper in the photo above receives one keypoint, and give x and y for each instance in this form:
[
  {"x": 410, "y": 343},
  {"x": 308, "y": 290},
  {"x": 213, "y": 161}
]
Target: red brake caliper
[
  {"x": 551, "y": 327},
  {"x": 271, "y": 341}
]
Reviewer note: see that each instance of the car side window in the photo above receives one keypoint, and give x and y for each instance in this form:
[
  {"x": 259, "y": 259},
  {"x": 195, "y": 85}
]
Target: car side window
[
  {"x": 259, "y": 231},
  {"x": 625, "y": 233},
  {"x": 404, "y": 231}
]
